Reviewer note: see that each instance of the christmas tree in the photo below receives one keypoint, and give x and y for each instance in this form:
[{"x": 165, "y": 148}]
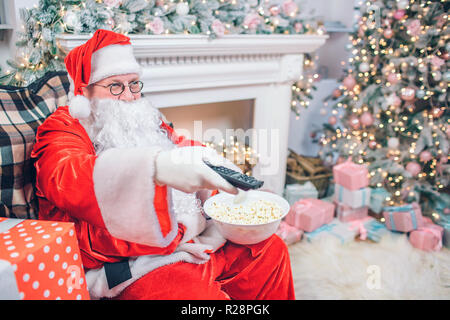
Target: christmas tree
[{"x": 390, "y": 111}]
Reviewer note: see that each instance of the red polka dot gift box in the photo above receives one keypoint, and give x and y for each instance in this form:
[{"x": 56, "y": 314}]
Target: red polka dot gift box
[{"x": 40, "y": 260}]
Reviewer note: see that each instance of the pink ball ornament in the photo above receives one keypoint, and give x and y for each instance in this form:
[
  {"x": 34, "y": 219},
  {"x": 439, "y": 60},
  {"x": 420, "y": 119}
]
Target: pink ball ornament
[
  {"x": 396, "y": 101},
  {"x": 372, "y": 144},
  {"x": 393, "y": 78},
  {"x": 443, "y": 159},
  {"x": 274, "y": 10},
  {"x": 349, "y": 82},
  {"x": 399, "y": 14},
  {"x": 337, "y": 93},
  {"x": 408, "y": 94},
  {"x": 366, "y": 119},
  {"x": 413, "y": 168},
  {"x": 388, "y": 33},
  {"x": 425, "y": 156},
  {"x": 354, "y": 122},
  {"x": 332, "y": 120}
]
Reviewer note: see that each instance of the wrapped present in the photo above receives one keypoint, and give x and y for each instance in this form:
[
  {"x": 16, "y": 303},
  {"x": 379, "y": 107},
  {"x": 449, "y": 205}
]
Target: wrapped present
[
  {"x": 353, "y": 198},
  {"x": 288, "y": 233},
  {"x": 336, "y": 229},
  {"x": 369, "y": 229},
  {"x": 309, "y": 214},
  {"x": 403, "y": 218},
  {"x": 40, "y": 260},
  {"x": 351, "y": 176},
  {"x": 444, "y": 221},
  {"x": 345, "y": 213},
  {"x": 377, "y": 199},
  {"x": 428, "y": 237},
  {"x": 296, "y": 191}
]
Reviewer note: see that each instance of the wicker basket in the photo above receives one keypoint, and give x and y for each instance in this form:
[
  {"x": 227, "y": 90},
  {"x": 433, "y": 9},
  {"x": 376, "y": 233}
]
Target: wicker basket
[{"x": 301, "y": 169}]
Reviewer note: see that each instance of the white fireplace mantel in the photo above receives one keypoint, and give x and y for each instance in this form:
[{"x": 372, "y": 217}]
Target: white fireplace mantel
[{"x": 181, "y": 70}]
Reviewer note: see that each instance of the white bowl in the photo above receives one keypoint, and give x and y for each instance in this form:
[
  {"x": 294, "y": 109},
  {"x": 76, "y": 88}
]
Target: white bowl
[{"x": 246, "y": 233}]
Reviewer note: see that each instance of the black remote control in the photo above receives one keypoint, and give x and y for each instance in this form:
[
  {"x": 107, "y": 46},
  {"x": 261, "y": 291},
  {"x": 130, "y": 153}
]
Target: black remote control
[{"x": 237, "y": 179}]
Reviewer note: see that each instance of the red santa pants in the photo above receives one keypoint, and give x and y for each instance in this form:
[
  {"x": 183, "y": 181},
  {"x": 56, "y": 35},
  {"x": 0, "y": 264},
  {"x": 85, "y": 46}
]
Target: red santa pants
[{"x": 260, "y": 271}]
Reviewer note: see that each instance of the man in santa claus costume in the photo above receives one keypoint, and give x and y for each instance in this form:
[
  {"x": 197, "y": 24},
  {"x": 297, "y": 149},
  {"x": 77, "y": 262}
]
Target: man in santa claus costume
[{"x": 109, "y": 163}]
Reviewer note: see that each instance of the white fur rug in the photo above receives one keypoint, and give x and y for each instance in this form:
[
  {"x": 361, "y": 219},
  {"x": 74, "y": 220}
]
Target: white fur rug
[{"x": 390, "y": 269}]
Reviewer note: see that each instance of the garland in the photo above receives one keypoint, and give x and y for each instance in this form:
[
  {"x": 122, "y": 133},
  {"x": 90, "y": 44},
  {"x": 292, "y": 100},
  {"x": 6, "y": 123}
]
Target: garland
[{"x": 38, "y": 52}]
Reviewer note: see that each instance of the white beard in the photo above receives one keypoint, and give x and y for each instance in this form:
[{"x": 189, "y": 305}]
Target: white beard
[{"x": 123, "y": 124}]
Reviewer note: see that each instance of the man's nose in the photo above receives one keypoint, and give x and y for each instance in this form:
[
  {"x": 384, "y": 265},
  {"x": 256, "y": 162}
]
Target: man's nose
[{"x": 126, "y": 95}]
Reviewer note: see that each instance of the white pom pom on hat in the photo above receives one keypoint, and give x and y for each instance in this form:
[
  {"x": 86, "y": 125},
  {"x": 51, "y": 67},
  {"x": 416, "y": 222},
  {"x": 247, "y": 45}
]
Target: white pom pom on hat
[{"x": 79, "y": 107}]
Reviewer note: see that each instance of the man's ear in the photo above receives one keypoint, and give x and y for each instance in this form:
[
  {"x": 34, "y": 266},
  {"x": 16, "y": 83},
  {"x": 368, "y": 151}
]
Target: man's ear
[{"x": 86, "y": 92}]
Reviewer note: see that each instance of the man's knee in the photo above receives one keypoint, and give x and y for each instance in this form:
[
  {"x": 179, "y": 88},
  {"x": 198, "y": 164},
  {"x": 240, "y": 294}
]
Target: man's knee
[
  {"x": 274, "y": 247},
  {"x": 279, "y": 246}
]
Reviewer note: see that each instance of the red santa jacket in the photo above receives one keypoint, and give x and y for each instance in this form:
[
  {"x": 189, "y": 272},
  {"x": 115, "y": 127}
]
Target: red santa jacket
[{"x": 117, "y": 210}]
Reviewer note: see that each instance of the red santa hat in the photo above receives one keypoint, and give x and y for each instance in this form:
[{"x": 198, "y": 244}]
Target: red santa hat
[{"x": 106, "y": 54}]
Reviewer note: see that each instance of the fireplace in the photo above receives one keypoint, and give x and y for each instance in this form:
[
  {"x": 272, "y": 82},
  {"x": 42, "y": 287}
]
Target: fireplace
[{"x": 193, "y": 70}]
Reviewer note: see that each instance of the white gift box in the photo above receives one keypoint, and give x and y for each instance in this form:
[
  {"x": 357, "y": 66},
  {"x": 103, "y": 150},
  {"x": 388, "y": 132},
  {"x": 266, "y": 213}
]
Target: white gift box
[
  {"x": 353, "y": 198},
  {"x": 295, "y": 192}
]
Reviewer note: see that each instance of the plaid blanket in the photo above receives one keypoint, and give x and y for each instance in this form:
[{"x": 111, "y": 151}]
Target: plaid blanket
[{"x": 23, "y": 109}]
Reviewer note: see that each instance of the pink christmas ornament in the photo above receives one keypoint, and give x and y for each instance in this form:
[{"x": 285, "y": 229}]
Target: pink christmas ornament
[
  {"x": 298, "y": 26},
  {"x": 156, "y": 26},
  {"x": 354, "y": 122},
  {"x": 332, "y": 120},
  {"x": 443, "y": 159},
  {"x": 388, "y": 33},
  {"x": 252, "y": 20},
  {"x": 408, "y": 94},
  {"x": 399, "y": 14},
  {"x": 414, "y": 27},
  {"x": 437, "y": 62},
  {"x": 218, "y": 28},
  {"x": 394, "y": 100},
  {"x": 393, "y": 78},
  {"x": 366, "y": 119},
  {"x": 349, "y": 82},
  {"x": 112, "y": 3},
  {"x": 337, "y": 93},
  {"x": 372, "y": 144},
  {"x": 290, "y": 8},
  {"x": 413, "y": 168},
  {"x": 274, "y": 10},
  {"x": 425, "y": 156}
]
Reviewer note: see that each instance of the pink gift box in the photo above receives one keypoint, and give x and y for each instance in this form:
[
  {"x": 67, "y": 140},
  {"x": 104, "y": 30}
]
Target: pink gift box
[
  {"x": 309, "y": 214},
  {"x": 288, "y": 233},
  {"x": 351, "y": 176},
  {"x": 346, "y": 213},
  {"x": 403, "y": 218},
  {"x": 428, "y": 237}
]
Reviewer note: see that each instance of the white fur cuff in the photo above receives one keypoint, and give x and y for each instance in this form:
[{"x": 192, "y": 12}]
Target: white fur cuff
[{"x": 124, "y": 187}]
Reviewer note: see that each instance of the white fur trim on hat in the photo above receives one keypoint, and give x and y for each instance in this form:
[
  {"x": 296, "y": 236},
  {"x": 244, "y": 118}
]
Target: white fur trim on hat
[
  {"x": 79, "y": 107},
  {"x": 113, "y": 60}
]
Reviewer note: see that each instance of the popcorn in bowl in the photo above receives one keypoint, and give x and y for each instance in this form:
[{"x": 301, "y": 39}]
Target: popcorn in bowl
[
  {"x": 256, "y": 212},
  {"x": 249, "y": 222}
]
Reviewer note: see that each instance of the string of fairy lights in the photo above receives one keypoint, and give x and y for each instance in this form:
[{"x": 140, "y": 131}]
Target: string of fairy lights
[{"x": 410, "y": 56}]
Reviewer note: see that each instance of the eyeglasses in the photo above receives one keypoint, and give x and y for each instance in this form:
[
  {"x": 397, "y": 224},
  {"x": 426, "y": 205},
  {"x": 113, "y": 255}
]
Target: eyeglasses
[{"x": 117, "y": 88}]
